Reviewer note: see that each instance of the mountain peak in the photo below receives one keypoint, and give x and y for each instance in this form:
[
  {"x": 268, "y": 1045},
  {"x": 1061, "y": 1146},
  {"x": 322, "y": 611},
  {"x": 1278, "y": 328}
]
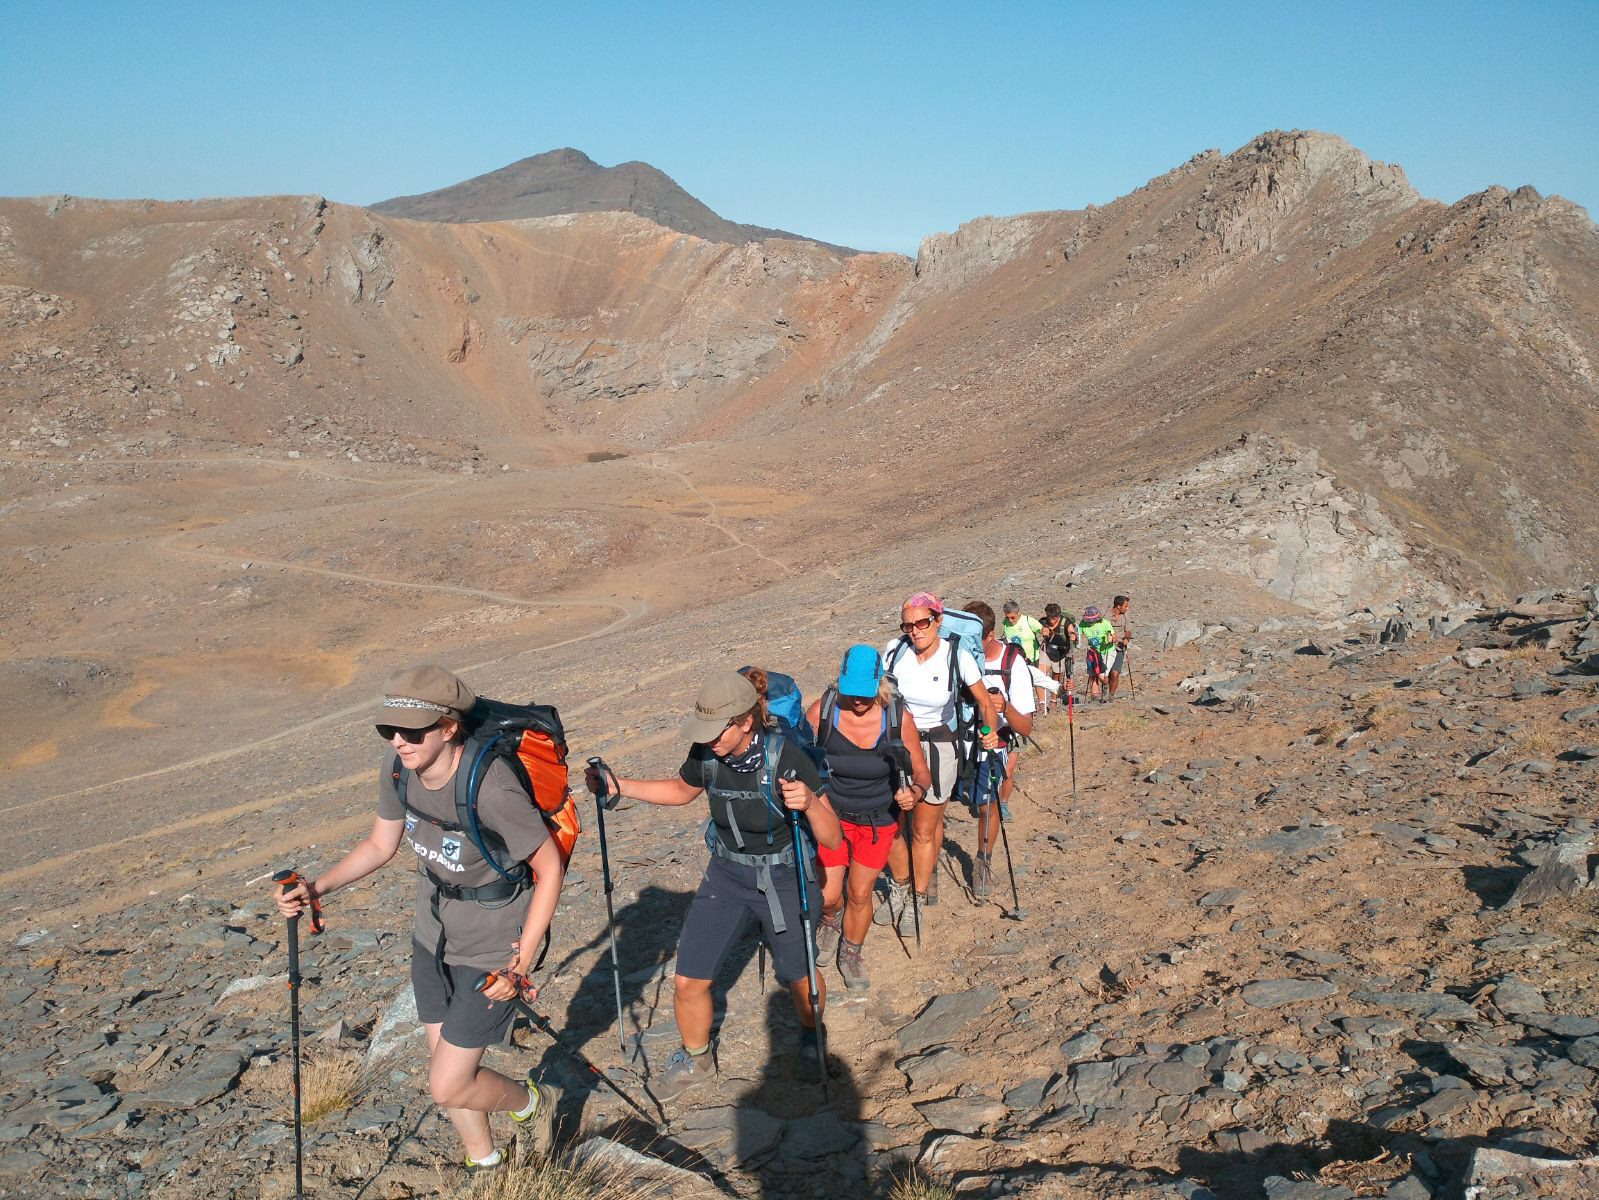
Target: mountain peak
[{"x": 566, "y": 180}]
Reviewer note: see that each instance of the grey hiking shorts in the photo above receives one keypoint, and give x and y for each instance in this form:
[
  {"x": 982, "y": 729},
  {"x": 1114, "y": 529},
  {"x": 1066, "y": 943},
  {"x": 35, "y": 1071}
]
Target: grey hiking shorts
[{"x": 469, "y": 1020}]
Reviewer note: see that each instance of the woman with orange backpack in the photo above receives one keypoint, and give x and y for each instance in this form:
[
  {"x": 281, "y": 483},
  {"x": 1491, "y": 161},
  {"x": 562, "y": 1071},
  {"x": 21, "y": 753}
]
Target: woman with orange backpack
[{"x": 467, "y": 914}]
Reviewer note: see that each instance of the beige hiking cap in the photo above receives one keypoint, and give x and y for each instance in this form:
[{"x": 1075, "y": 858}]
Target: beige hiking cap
[
  {"x": 721, "y": 699},
  {"x": 418, "y": 697}
]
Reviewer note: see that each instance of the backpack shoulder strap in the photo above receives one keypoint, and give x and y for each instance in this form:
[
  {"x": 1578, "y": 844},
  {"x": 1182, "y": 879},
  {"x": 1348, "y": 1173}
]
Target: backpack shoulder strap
[
  {"x": 827, "y": 715},
  {"x": 899, "y": 649},
  {"x": 476, "y": 758}
]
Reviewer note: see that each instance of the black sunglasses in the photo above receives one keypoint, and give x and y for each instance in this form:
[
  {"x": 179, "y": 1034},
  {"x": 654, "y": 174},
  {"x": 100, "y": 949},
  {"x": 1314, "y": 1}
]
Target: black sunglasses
[
  {"x": 922, "y": 623},
  {"x": 411, "y": 736}
]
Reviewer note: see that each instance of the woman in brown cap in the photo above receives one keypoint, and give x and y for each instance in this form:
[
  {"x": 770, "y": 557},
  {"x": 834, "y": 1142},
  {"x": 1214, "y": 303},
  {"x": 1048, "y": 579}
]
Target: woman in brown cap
[
  {"x": 743, "y": 765},
  {"x": 467, "y": 914}
]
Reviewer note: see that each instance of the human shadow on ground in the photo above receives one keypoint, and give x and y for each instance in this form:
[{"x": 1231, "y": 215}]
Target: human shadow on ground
[
  {"x": 785, "y": 1136},
  {"x": 646, "y": 940}
]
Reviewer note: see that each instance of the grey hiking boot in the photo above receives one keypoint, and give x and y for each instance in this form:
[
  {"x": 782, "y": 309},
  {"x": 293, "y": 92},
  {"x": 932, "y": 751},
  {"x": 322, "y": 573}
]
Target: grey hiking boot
[
  {"x": 682, "y": 1071},
  {"x": 851, "y": 967},
  {"x": 982, "y": 876},
  {"x": 889, "y": 908},
  {"x": 535, "y": 1134},
  {"x": 910, "y": 914},
  {"x": 828, "y": 932}
]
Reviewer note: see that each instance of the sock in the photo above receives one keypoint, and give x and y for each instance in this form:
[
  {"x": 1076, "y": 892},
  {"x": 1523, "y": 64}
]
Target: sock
[
  {"x": 523, "y": 1114},
  {"x": 492, "y": 1160},
  {"x": 705, "y": 1049}
]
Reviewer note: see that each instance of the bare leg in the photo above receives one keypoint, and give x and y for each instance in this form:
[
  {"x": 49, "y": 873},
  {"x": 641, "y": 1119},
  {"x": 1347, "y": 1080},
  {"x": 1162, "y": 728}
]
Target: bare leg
[
  {"x": 899, "y": 862},
  {"x": 927, "y": 839},
  {"x": 833, "y": 889},
  {"x": 858, "y": 913},
  {"x": 468, "y": 1092},
  {"x": 691, "y": 1009},
  {"x": 800, "y": 989}
]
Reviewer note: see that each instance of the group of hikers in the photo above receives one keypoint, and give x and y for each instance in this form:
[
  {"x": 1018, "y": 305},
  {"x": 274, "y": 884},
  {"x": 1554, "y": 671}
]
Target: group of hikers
[{"x": 808, "y": 807}]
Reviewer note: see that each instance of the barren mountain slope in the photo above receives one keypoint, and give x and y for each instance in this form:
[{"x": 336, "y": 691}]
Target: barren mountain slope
[
  {"x": 310, "y": 326},
  {"x": 1435, "y": 359}
]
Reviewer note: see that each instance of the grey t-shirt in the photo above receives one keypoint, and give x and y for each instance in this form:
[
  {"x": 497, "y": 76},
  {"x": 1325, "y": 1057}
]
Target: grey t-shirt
[{"x": 476, "y": 934}]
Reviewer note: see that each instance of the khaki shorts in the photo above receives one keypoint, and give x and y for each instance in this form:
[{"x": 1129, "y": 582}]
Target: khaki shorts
[{"x": 943, "y": 761}]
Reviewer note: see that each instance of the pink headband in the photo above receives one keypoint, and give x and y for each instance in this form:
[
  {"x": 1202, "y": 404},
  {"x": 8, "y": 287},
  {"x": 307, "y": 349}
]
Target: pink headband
[{"x": 924, "y": 600}]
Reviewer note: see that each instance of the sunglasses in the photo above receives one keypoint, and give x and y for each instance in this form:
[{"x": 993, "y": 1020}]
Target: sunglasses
[
  {"x": 923, "y": 623},
  {"x": 411, "y": 737}
]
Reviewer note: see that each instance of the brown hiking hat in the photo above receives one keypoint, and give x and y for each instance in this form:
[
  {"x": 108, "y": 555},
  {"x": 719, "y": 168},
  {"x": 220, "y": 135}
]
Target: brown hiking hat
[
  {"x": 721, "y": 699},
  {"x": 418, "y": 697}
]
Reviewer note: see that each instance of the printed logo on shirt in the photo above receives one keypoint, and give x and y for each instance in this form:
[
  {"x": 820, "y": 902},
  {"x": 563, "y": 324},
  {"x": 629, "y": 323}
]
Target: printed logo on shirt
[
  {"x": 452, "y": 849},
  {"x": 410, "y": 824},
  {"x": 433, "y": 856}
]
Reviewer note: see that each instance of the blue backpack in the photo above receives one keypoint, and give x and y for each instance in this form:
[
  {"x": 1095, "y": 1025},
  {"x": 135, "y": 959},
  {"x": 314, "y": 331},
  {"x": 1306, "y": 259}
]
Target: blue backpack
[{"x": 787, "y": 707}]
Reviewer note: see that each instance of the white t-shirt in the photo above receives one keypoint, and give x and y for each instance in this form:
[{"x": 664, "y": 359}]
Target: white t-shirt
[
  {"x": 1019, "y": 689},
  {"x": 928, "y": 692}
]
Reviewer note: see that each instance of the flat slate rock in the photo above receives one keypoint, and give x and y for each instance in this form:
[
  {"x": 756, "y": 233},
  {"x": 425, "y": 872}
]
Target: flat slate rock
[
  {"x": 1304, "y": 839},
  {"x": 962, "y": 1114},
  {"x": 945, "y": 1017},
  {"x": 822, "y": 1135},
  {"x": 729, "y": 1136},
  {"x": 214, "y": 1074},
  {"x": 1429, "y": 1006},
  {"x": 1274, "y": 993}
]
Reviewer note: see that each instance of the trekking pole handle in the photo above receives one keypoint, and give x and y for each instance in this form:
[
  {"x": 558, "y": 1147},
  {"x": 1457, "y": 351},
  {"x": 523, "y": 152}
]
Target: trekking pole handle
[
  {"x": 286, "y": 879},
  {"x": 521, "y": 983},
  {"x": 606, "y": 796}
]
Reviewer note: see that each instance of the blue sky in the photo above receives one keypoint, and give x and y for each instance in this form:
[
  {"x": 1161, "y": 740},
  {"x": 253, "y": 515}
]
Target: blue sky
[{"x": 867, "y": 124}]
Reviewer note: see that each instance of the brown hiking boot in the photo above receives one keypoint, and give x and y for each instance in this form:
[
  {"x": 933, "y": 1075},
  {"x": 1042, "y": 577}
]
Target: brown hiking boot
[
  {"x": 683, "y": 1071},
  {"x": 851, "y": 967},
  {"x": 828, "y": 932}
]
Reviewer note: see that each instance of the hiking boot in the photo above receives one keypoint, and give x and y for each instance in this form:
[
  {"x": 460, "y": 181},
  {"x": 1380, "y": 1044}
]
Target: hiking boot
[
  {"x": 851, "y": 967},
  {"x": 982, "y": 876},
  {"x": 908, "y": 915},
  {"x": 889, "y": 907},
  {"x": 535, "y": 1135},
  {"x": 828, "y": 931},
  {"x": 682, "y": 1071},
  {"x": 808, "y": 1069}
]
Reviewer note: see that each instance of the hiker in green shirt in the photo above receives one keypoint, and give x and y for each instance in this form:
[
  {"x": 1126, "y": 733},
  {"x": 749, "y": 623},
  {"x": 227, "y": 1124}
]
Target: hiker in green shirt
[
  {"x": 1024, "y": 631},
  {"x": 1099, "y": 637}
]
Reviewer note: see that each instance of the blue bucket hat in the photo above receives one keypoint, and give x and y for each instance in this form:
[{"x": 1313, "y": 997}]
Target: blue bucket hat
[{"x": 860, "y": 672}]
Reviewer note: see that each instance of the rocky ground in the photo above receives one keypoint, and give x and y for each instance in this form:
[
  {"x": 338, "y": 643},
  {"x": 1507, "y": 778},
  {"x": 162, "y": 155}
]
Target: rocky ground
[{"x": 1317, "y": 924}]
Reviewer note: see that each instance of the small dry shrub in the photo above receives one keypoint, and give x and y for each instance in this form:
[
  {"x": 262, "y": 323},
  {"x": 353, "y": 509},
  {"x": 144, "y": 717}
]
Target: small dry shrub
[
  {"x": 331, "y": 1081},
  {"x": 559, "y": 1178},
  {"x": 1379, "y": 715},
  {"x": 915, "y": 1185},
  {"x": 1333, "y": 733},
  {"x": 1535, "y": 743},
  {"x": 1125, "y": 722}
]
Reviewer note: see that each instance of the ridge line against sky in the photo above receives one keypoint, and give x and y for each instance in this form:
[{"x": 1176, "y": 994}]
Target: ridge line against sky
[{"x": 864, "y": 126}]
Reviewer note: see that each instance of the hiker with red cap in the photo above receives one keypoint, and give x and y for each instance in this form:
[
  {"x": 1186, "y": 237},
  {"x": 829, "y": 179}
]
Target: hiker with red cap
[
  {"x": 876, "y": 771},
  {"x": 466, "y": 916},
  {"x": 931, "y": 671},
  {"x": 752, "y": 776}
]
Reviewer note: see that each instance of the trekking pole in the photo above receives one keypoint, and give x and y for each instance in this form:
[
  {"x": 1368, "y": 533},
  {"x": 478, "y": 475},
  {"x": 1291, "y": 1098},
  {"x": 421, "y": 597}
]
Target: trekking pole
[
  {"x": 542, "y": 1024},
  {"x": 287, "y": 879},
  {"x": 1071, "y": 733},
  {"x": 996, "y": 773},
  {"x": 600, "y": 804},
  {"x": 810, "y": 943},
  {"x": 902, "y": 760}
]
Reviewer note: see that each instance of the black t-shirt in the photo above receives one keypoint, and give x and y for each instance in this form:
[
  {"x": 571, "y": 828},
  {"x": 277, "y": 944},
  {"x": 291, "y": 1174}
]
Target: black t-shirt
[{"x": 738, "y": 795}]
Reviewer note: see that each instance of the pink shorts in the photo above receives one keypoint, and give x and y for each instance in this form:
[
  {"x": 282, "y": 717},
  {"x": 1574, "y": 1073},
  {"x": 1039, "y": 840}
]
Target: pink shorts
[{"x": 866, "y": 844}]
